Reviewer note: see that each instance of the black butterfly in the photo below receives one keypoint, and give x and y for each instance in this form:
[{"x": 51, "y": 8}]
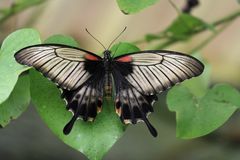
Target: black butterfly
[{"x": 85, "y": 78}]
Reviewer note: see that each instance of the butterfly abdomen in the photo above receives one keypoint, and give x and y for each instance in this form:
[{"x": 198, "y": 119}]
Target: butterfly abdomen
[{"x": 108, "y": 85}]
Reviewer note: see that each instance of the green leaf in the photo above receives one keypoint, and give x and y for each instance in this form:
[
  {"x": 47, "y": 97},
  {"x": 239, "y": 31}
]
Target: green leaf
[
  {"x": 133, "y": 6},
  {"x": 123, "y": 48},
  {"x": 200, "y": 116},
  {"x": 151, "y": 37},
  {"x": 185, "y": 25},
  {"x": 93, "y": 139},
  {"x": 9, "y": 68},
  {"x": 61, "y": 39},
  {"x": 27, "y": 3},
  {"x": 20, "y": 5},
  {"x": 17, "y": 102}
]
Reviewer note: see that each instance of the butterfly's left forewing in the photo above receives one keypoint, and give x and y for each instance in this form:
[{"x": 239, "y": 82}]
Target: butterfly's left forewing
[
  {"x": 140, "y": 76},
  {"x": 64, "y": 65}
]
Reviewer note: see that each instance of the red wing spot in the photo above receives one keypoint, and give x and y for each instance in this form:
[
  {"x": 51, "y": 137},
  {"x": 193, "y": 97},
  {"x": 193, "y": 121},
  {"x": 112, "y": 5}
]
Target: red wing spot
[
  {"x": 91, "y": 57},
  {"x": 125, "y": 59}
]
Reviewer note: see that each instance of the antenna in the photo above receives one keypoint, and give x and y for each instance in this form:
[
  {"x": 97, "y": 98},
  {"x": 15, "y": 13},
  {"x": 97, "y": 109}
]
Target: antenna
[
  {"x": 117, "y": 37},
  {"x": 95, "y": 38}
]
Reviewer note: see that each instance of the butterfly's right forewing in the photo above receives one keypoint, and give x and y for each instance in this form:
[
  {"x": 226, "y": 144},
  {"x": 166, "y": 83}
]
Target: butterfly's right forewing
[{"x": 152, "y": 72}]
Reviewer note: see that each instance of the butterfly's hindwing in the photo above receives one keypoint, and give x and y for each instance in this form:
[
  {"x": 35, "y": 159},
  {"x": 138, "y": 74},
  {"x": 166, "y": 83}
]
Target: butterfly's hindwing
[
  {"x": 66, "y": 66},
  {"x": 86, "y": 101},
  {"x": 131, "y": 105}
]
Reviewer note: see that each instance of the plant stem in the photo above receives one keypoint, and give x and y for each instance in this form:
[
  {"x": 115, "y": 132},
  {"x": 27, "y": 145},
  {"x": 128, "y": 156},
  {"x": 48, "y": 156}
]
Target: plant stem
[
  {"x": 217, "y": 23},
  {"x": 227, "y": 18},
  {"x": 166, "y": 44},
  {"x": 209, "y": 39},
  {"x": 16, "y": 8}
]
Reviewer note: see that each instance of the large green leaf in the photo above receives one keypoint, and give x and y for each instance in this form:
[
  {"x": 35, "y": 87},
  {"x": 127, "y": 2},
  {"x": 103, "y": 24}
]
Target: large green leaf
[
  {"x": 93, "y": 139},
  {"x": 17, "y": 102},
  {"x": 9, "y": 68},
  {"x": 133, "y": 6},
  {"x": 198, "y": 116}
]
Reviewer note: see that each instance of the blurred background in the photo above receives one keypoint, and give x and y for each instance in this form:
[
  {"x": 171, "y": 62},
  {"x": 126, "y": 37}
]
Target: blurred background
[{"x": 29, "y": 138}]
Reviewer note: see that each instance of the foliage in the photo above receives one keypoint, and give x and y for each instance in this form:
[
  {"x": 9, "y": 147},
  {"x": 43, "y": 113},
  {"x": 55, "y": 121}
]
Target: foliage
[
  {"x": 123, "y": 48},
  {"x": 8, "y": 66},
  {"x": 60, "y": 39},
  {"x": 180, "y": 29},
  {"x": 199, "y": 110},
  {"x": 199, "y": 116},
  {"x": 17, "y": 102},
  {"x": 133, "y": 6},
  {"x": 89, "y": 138}
]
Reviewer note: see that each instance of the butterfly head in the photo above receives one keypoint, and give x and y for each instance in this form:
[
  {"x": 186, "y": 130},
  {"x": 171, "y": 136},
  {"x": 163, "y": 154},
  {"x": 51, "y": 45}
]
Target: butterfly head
[{"x": 107, "y": 55}]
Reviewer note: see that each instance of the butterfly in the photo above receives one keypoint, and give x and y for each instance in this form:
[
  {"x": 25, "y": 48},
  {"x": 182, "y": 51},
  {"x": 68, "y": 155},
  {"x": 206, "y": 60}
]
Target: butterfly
[{"x": 133, "y": 79}]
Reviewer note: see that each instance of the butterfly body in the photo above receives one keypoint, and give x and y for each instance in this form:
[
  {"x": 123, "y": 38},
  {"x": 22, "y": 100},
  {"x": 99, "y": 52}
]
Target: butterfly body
[
  {"x": 133, "y": 79},
  {"x": 107, "y": 61}
]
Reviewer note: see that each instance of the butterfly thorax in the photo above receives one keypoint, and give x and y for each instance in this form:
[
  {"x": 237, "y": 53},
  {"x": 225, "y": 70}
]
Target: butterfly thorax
[
  {"x": 107, "y": 57},
  {"x": 107, "y": 60}
]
